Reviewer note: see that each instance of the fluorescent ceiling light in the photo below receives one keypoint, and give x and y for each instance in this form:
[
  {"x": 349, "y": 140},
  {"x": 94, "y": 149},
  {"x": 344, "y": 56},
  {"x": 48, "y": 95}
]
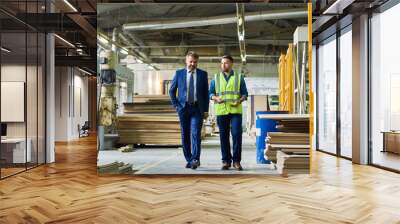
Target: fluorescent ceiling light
[
  {"x": 86, "y": 72},
  {"x": 64, "y": 40},
  {"x": 102, "y": 39},
  {"x": 5, "y": 50},
  {"x": 123, "y": 51},
  {"x": 152, "y": 67},
  {"x": 140, "y": 61},
  {"x": 70, "y": 5}
]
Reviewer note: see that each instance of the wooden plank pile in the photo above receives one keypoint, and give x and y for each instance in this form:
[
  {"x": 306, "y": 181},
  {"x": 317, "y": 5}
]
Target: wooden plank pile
[
  {"x": 149, "y": 104},
  {"x": 149, "y": 129},
  {"x": 289, "y": 148},
  {"x": 150, "y": 119},
  {"x": 150, "y": 98},
  {"x": 297, "y": 143},
  {"x": 115, "y": 168},
  {"x": 292, "y": 163}
]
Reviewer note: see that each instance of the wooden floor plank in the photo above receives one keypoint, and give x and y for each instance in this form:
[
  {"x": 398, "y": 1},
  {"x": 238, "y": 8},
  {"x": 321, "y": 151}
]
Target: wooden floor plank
[{"x": 70, "y": 191}]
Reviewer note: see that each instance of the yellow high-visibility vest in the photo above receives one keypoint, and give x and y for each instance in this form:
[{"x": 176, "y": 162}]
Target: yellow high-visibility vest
[{"x": 229, "y": 92}]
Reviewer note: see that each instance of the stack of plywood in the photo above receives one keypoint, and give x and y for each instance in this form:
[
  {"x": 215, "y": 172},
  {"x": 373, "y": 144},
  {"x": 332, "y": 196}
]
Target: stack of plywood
[
  {"x": 299, "y": 123},
  {"x": 149, "y": 129},
  {"x": 150, "y": 98},
  {"x": 115, "y": 168},
  {"x": 151, "y": 120},
  {"x": 294, "y": 125},
  {"x": 289, "y": 148},
  {"x": 150, "y": 107},
  {"x": 292, "y": 143},
  {"x": 292, "y": 163},
  {"x": 149, "y": 104}
]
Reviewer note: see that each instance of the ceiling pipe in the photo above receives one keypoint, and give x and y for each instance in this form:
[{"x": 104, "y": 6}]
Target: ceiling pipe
[
  {"x": 137, "y": 53},
  {"x": 117, "y": 33},
  {"x": 216, "y": 20}
]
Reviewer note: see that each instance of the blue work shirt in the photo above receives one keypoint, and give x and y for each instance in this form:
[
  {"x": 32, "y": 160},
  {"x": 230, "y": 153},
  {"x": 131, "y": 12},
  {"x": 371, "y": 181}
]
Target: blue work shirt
[{"x": 243, "y": 88}]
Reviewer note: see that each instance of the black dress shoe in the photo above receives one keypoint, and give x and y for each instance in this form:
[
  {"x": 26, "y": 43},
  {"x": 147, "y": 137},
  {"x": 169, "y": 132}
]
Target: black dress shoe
[
  {"x": 188, "y": 165},
  {"x": 237, "y": 166},
  {"x": 195, "y": 164},
  {"x": 225, "y": 166}
]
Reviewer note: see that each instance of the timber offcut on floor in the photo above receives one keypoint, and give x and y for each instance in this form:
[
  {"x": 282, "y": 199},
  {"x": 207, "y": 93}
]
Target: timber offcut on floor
[{"x": 70, "y": 191}]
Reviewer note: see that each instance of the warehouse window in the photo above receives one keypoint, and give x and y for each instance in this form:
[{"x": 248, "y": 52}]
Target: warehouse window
[
  {"x": 345, "y": 92},
  {"x": 385, "y": 89},
  {"x": 327, "y": 96}
]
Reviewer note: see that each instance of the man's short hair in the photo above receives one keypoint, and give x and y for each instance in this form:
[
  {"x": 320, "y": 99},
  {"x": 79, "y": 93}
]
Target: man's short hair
[
  {"x": 228, "y": 57},
  {"x": 192, "y": 54}
]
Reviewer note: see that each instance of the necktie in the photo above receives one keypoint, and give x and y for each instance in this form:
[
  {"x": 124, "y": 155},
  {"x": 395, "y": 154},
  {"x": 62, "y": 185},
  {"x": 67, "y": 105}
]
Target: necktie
[{"x": 191, "y": 88}]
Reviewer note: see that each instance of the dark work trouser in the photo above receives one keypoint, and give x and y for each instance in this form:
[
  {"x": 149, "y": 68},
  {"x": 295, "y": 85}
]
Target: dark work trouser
[{"x": 230, "y": 123}]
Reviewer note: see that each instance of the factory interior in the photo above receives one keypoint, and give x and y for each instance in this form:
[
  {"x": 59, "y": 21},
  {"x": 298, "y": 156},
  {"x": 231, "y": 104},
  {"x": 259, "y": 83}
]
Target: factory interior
[
  {"x": 168, "y": 111},
  {"x": 147, "y": 56}
]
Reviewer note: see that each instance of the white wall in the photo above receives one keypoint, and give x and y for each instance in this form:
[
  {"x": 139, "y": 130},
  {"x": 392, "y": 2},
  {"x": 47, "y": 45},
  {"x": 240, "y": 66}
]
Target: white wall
[
  {"x": 147, "y": 81},
  {"x": 70, "y": 83},
  {"x": 33, "y": 126},
  {"x": 61, "y": 105},
  {"x": 150, "y": 82}
]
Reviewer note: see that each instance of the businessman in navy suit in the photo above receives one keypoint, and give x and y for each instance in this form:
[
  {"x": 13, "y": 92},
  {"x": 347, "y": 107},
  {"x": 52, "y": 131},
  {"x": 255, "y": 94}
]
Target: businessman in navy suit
[{"x": 191, "y": 103}]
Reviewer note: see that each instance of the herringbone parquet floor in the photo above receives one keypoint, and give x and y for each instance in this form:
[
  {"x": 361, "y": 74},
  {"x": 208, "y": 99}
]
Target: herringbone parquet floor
[{"x": 70, "y": 191}]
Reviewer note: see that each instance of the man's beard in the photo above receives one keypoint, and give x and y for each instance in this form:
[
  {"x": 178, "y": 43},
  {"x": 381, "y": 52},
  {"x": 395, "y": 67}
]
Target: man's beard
[{"x": 191, "y": 68}]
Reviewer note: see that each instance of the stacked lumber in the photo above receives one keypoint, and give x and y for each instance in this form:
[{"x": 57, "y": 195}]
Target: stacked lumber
[
  {"x": 131, "y": 108},
  {"x": 292, "y": 163},
  {"x": 149, "y": 129},
  {"x": 150, "y": 98},
  {"x": 299, "y": 123},
  {"x": 149, "y": 104},
  {"x": 150, "y": 119},
  {"x": 292, "y": 143},
  {"x": 289, "y": 148},
  {"x": 115, "y": 168},
  {"x": 293, "y": 126}
]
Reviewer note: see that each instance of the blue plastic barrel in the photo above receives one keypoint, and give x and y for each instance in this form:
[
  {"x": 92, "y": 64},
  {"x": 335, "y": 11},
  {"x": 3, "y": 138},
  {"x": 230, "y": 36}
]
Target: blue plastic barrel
[{"x": 263, "y": 126}]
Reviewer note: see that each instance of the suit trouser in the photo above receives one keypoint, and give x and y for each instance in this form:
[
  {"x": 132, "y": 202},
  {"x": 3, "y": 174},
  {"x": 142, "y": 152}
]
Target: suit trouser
[
  {"x": 191, "y": 121},
  {"x": 232, "y": 123}
]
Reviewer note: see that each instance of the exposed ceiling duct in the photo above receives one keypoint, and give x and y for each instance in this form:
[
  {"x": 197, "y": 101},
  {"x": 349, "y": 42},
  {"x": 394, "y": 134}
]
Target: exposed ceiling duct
[{"x": 216, "y": 20}]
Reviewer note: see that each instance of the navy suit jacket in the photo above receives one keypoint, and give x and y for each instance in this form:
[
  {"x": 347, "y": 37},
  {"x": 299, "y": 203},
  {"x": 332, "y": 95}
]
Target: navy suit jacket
[{"x": 179, "y": 84}]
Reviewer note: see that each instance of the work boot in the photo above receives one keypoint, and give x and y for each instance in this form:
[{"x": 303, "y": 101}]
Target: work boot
[
  {"x": 225, "y": 166},
  {"x": 237, "y": 166}
]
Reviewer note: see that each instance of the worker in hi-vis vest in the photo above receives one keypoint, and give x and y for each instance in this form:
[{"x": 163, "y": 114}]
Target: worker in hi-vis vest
[{"x": 228, "y": 90}]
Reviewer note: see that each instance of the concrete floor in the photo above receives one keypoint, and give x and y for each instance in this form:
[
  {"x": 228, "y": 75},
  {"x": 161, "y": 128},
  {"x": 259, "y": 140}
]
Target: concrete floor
[{"x": 171, "y": 160}]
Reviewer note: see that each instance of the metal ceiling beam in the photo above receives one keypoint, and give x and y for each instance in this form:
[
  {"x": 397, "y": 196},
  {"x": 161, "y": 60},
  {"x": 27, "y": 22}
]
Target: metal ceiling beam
[
  {"x": 216, "y": 20},
  {"x": 337, "y": 7},
  {"x": 136, "y": 52},
  {"x": 81, "y": 61},
  {"x": 214, "y": 57},
  {"x": 84, "y": 24},
  {"x": 174, "y": 46}
]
